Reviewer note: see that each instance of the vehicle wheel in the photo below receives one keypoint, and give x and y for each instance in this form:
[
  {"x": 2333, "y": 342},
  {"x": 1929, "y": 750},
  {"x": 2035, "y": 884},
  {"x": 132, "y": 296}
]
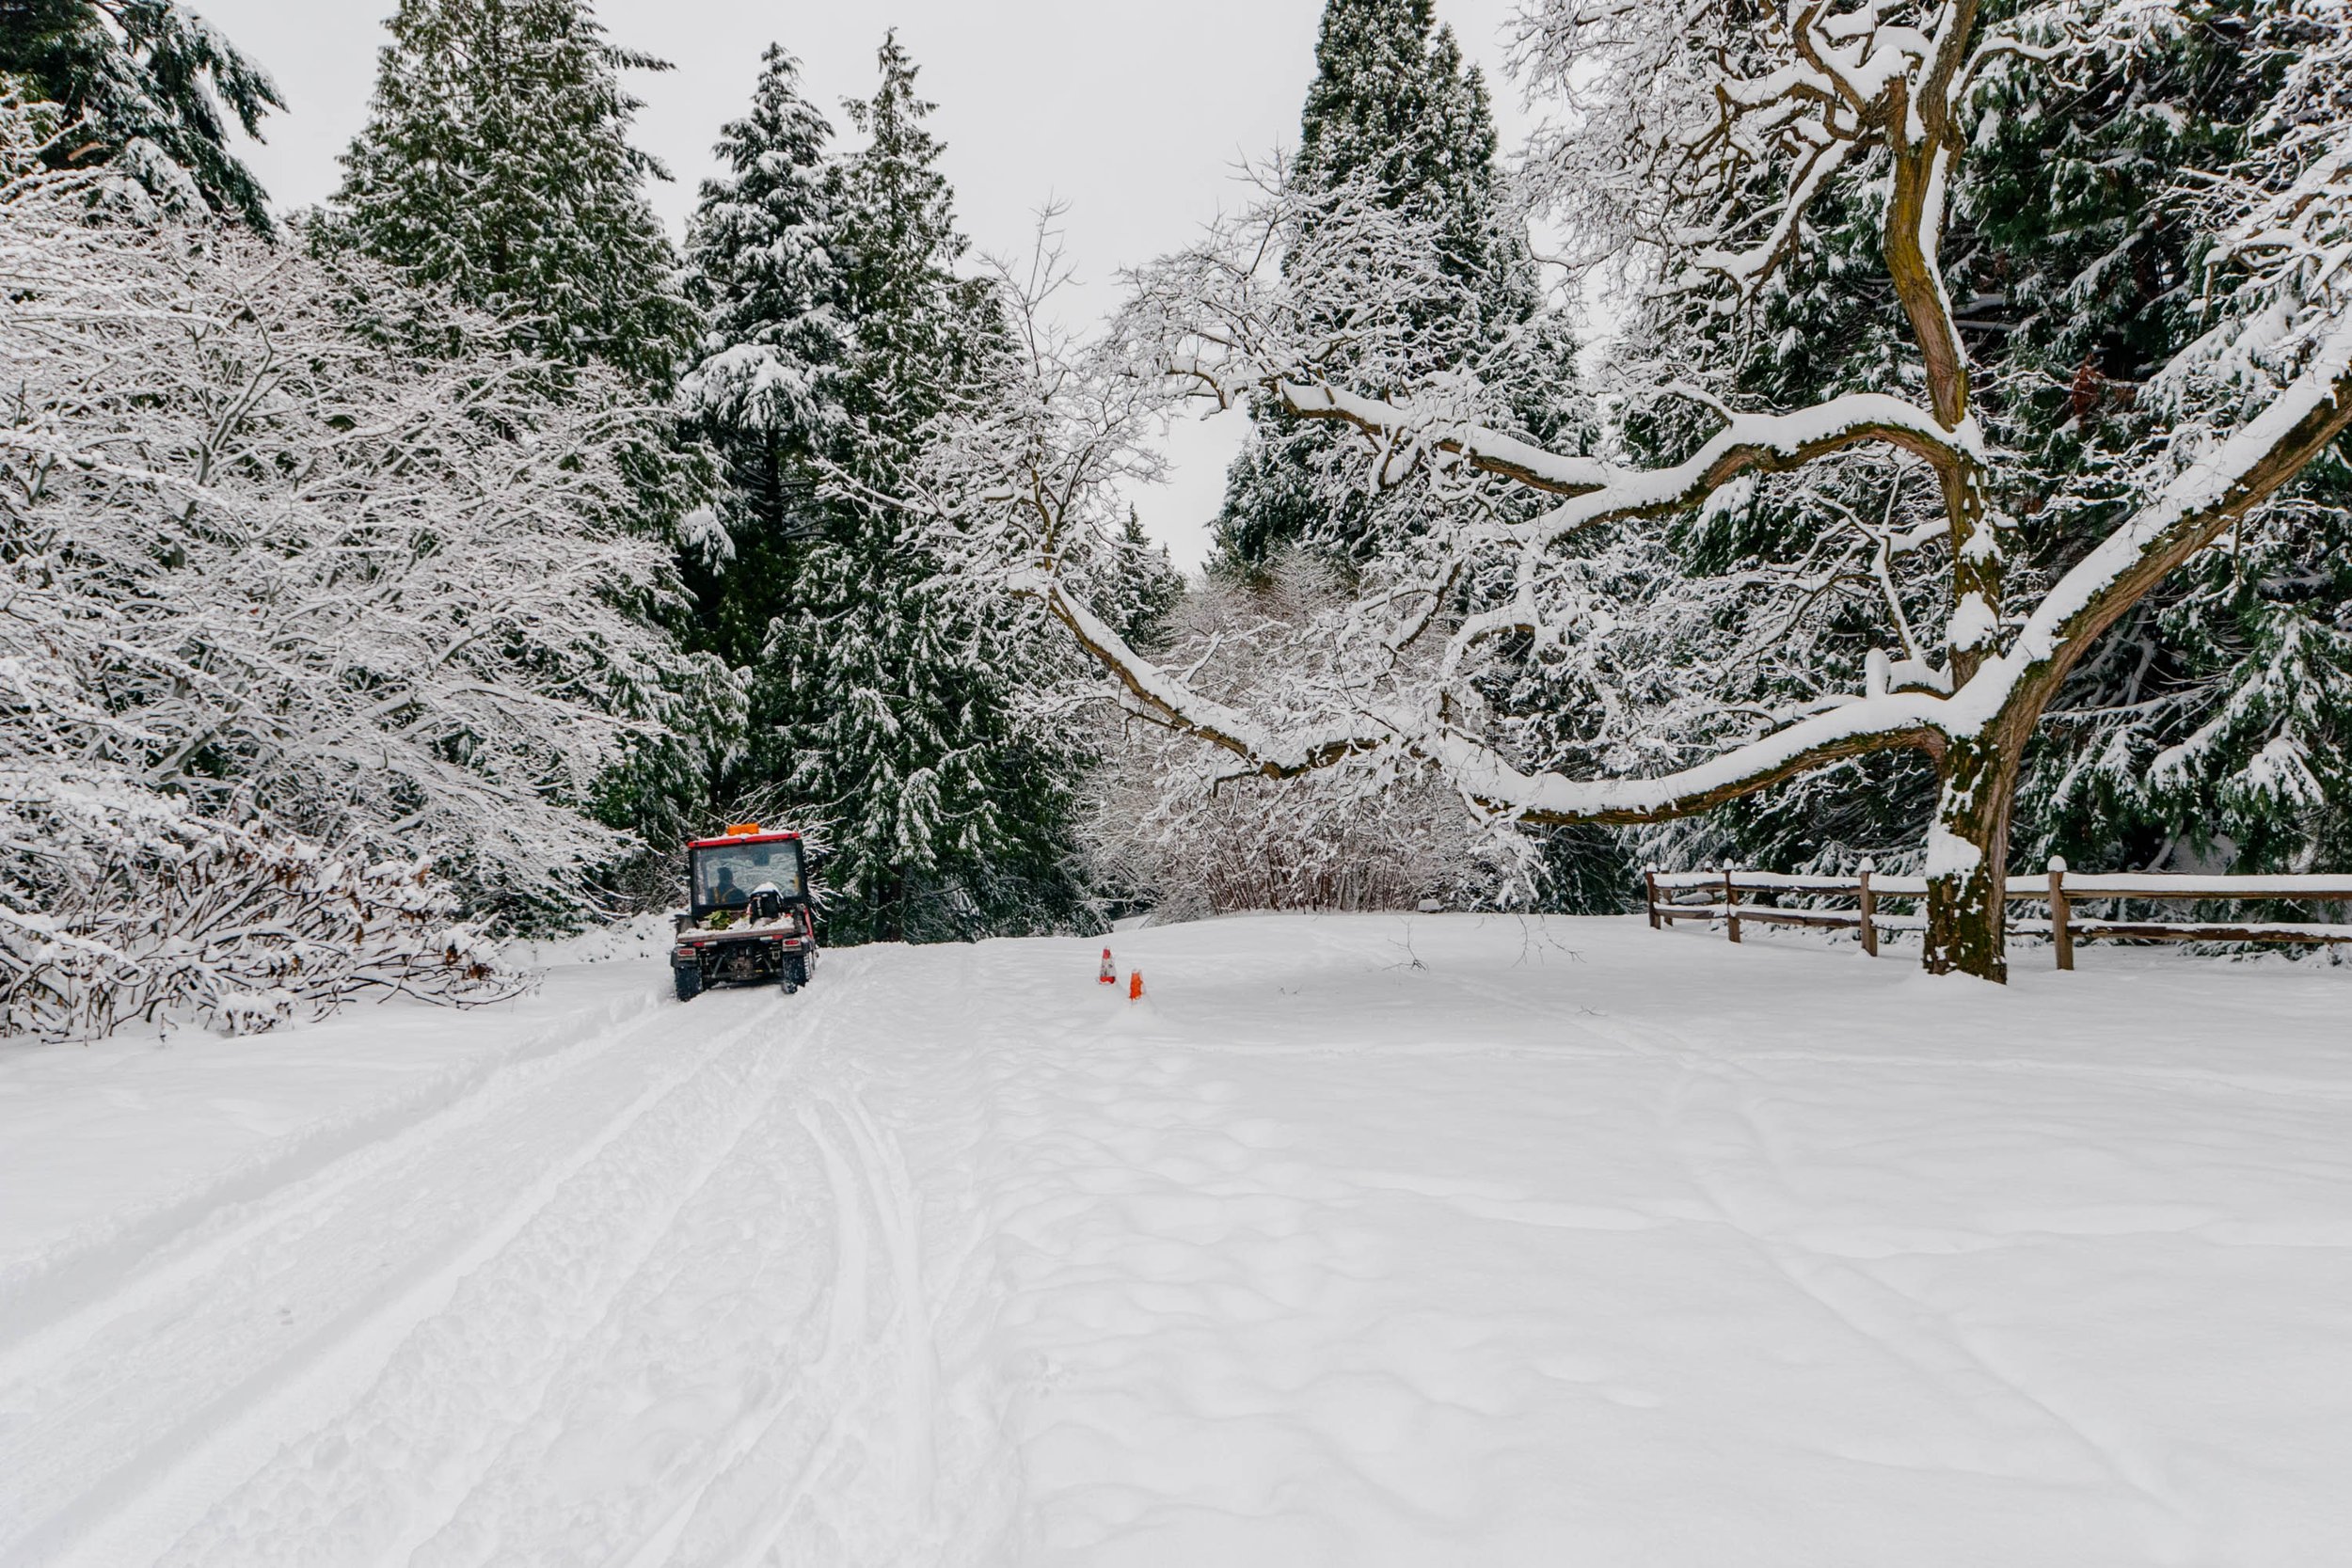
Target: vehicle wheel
[
  {"x": 790, "y": 988},
  {"x": 689, "y": 981}
]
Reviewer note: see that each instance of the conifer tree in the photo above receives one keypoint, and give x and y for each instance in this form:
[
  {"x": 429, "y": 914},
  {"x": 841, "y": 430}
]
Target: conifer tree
[
  {"x": 762, "y": 389},
  {"x": 496, "y": 161},
  {"x": 1394, "y": 103},
  {"x": 143, "y": 84},
  {"x": 1392, "y": 107},
  {"x": 1145, "y": 587},
  {"x": 900, "y": 689}
]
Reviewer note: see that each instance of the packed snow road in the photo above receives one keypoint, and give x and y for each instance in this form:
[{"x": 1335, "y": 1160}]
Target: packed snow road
[{"x": 1362, "y": 1240}]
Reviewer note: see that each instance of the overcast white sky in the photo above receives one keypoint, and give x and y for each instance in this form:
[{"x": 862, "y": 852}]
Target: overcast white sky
[{"x": 1133, "y": 111}]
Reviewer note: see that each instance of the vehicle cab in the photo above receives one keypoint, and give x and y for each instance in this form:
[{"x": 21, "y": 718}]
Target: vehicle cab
[{"x": 748, "y": 916}]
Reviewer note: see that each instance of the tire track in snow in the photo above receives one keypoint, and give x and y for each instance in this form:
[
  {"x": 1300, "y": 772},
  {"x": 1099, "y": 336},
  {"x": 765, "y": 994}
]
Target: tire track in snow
[
  {"x": 860, "y": 1380},
  {"x": 883, "y": 1170},
  {"x": 138, "y": 1272},
  {"x": 701, "y": 1147},
  {"x": 842, "y": 1461},
  {"x": 765, "y": 1451},
  {"x": 369, "y": 1251},
  {"x": 695, "y": 1355},
  {"x": 763, "y": 1389}
]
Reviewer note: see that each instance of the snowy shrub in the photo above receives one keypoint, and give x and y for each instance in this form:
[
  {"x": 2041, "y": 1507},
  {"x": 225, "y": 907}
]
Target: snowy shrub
[
  {"x": 1171, "y": 825},
  {"x": 284, "y": 598},
  {"x": 154, "y": 915}
]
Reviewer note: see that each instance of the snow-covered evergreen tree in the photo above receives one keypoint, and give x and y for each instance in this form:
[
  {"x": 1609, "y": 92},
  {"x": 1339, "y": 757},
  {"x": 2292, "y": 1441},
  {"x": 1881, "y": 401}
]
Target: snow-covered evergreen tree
[
  {"x": 762, "y": 389},
  {"x": 1394, "y": 114},
  {"x": 496, "y": 163},
  {"x": 142, "y": 84},
  {"x": 1142, "y": 588},
  {"x": 1394, "y": 104},
  {"x": 899, "y": 690}
]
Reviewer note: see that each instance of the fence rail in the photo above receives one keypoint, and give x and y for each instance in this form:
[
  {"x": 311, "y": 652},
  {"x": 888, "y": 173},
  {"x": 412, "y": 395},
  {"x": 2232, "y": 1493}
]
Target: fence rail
[{"x": 1725, "y": 895}]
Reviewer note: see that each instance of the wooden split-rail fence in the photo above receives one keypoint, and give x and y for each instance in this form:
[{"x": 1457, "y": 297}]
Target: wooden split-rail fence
[{"x": 1733, "y": 898}]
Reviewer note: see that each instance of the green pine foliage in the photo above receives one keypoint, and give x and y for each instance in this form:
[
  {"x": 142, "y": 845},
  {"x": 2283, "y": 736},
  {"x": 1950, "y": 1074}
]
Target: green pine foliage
[
  {"x": 762, "y": 389},
  {"x": 891, "y": 702},
  {"x": 949, "y": 814},
  {"x": 143, "y": 84},
  {"x": 1394, "y": 103},
  {"x": 1394, "y": 108},
  {"x": 1143, "y": 589},
  {"x": 496, "y": 163}
]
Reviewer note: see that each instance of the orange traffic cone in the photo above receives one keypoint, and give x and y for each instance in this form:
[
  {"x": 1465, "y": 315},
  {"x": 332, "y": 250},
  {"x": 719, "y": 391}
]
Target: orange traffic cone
[
  {"x": 1134, "y": 986},
  {"x": 1109, "y": 976}
]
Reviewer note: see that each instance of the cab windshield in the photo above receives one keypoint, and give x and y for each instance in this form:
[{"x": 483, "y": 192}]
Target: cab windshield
[{"x": 726, "y": 875}]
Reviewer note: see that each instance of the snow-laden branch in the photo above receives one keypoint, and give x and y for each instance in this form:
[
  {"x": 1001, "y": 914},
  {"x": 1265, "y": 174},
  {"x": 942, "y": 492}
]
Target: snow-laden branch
[
  {"x": 2244, "y": 471},
  {"x": 1604, "y": 492},
  {"x": 1492, "y": 452},
  {"x": 1270, "y": 752},
  {"x": 286, "y": 598},
  {"x": 1531, "y": 637}
]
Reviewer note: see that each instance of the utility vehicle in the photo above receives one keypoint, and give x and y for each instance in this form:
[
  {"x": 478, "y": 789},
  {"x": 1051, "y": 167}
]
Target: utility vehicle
[{"x": 749, "y": 918}]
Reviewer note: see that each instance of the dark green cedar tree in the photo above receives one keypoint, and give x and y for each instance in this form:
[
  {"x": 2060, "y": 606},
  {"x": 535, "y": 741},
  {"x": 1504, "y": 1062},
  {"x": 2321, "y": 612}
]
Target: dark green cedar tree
[
  {"x": 900, "y": 689},
  {"x": 496, "y": 162},
  {"x": 143, "y": 84}
]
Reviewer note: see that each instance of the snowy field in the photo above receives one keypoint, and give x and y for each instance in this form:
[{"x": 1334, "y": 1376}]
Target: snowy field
[{"x": 1364, "y": 1240}]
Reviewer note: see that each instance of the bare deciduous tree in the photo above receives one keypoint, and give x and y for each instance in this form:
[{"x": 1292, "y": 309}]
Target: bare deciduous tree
[
  {"x": 285, "y": 599},
  {"x": 1695, "y": 139}
]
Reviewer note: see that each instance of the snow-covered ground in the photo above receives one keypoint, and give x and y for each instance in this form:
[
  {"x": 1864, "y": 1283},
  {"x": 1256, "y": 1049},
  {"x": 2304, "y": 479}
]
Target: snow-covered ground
[{"x": 1362, "y": 1240}]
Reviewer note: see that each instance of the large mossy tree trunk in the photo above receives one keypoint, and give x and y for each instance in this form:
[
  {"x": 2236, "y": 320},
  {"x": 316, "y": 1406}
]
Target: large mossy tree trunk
[{"x": 1969, "y": 857}]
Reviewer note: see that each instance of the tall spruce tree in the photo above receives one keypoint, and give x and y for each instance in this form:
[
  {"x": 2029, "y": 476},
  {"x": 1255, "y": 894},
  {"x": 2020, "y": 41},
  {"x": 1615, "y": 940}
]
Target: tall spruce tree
[
  {"x": 143, "y": 82},
  {"x": 763, "y": 387},
  {"x": 898, "y": 689},
  {"x": 1395, "y": 112},
  {"x": 496, "y": 161},
  {"x": 1393, "y": 107},
  {"x": 1143, "y": 587}
]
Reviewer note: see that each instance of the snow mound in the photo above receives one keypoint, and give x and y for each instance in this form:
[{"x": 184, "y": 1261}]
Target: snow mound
[{"x": 636, "y": 939}]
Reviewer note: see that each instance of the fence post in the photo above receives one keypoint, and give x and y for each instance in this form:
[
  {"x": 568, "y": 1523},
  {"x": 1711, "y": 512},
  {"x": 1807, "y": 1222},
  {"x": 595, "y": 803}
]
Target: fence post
[
  {"x": 1731, "y": 906},
  {"x": 1869, "y": 911},
  {"x": 2062, "y": 929},
  {"x": 1649, "y": 886}
]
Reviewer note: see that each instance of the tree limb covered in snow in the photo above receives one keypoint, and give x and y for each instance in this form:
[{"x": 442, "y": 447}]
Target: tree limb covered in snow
[
  {"x": 1695, "y": 138},
  {"x": 304, "y": 573}
]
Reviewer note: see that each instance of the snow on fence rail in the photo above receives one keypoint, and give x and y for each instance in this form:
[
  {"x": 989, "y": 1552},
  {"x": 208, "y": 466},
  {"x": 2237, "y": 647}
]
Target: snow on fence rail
[{"x": 1674, "y": 895}]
